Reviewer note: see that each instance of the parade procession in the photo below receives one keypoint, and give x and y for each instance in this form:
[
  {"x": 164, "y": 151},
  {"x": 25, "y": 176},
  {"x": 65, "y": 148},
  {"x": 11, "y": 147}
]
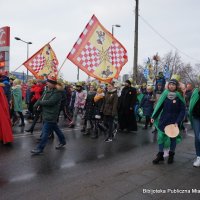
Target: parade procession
[{"x": 98, "y": 124}]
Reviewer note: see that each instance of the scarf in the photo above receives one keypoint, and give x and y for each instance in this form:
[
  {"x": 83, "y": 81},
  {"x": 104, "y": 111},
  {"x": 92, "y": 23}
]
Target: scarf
[
  {"x": 98, "y": 96},
  {"x": 171, "y": 95}
]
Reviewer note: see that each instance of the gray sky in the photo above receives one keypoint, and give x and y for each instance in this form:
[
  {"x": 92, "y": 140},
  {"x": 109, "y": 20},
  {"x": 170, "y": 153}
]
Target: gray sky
[{"x": 40, "y": 21}]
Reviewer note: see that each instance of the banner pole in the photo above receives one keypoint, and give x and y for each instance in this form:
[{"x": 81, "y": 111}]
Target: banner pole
[
  {"x": 17, "y": 68},
  {"x": 62, "y": 64}
]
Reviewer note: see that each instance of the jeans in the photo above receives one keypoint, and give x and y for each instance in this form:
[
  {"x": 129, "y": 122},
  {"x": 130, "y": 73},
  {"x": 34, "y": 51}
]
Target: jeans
[
  {"x": 172, "y": 145},
  {"x": 109, "y": 122},
  {"x": 75, "y": 114},
  {"x": 46, "y": 129},
  {"x": 196, "y": 127}
]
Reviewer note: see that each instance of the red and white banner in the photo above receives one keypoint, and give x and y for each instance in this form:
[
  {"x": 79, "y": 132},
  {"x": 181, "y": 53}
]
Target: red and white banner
[
  {"x": 98, "y": 53},
  {"x": 43, "y": 63}
]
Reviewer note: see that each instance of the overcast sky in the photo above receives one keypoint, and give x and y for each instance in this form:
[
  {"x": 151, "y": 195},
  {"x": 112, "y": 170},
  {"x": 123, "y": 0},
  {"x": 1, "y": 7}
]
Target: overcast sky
[{"x": 40, "y": 21}]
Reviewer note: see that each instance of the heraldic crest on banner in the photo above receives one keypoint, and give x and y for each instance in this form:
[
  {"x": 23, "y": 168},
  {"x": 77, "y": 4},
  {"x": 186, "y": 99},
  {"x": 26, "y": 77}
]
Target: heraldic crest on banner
[
  {"x": 98, "y": 53},
  {"x": 42, "y": 63}
]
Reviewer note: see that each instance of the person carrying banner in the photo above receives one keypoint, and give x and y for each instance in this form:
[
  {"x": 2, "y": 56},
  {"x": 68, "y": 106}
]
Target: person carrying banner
[
  {"x": 109, "y": 110},
  {"x": 170, "y": 110},
  {"x": 50, "y": 104}
]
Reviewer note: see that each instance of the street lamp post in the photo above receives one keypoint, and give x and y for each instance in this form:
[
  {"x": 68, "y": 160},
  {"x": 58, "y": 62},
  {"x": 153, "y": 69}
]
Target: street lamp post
[
  {"x": 115, "y": 25},
  {"x": 27, "y": 43},
  {"x": 135, "y": 61}
]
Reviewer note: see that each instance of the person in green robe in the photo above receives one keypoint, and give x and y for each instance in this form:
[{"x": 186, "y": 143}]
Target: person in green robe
[
  {"x": 170, "y": 109},
  {"x": 17, "y": 102}
]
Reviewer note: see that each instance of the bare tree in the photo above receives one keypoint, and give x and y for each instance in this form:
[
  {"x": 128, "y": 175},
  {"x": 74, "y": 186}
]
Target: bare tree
[{"x": 173, "y": 61}]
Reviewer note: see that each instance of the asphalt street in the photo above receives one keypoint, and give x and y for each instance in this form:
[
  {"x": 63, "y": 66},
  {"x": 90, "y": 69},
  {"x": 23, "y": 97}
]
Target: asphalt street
[{"x": 94, "y": 170}]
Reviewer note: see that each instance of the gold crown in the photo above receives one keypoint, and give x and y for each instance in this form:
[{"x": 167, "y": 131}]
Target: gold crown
[{"x": 176, "y": 76}]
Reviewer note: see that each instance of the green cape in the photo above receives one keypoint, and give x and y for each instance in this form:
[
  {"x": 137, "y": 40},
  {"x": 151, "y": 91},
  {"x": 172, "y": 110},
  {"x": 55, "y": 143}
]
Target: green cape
[
  {"x": 193, "y": 101},
  {"x": 139, "y": 97},
  {"x": 162, "y": 137},
  {"x": 17, "y": 96}
]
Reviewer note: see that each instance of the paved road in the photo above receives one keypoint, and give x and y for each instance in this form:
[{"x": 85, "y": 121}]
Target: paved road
[{"x": 94, "y": 170}]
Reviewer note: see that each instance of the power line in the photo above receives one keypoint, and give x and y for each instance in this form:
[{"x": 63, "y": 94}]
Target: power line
[{"x": 166, "y": 40}]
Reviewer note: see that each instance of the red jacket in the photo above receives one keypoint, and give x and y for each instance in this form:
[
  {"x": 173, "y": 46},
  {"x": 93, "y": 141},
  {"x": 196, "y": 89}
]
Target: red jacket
[{"x": 37, "y": 90}]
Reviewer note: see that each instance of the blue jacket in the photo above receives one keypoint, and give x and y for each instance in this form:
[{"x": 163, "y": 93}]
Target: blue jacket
[
  {"x": 7, "y": 88},
  {"x": 147, "y": 104},
  {"x": 173, "y": 112}
]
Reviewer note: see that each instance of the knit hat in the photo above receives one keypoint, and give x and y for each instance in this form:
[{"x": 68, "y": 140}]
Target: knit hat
[
  {"x": 174, "y": 81},
  {"x": 52, "y": 79},
  {"x": 127, "y": 81}
]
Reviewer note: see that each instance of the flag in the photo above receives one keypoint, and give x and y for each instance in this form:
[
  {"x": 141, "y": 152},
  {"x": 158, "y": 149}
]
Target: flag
[
  {"x": 146, "y": 73},
  {"x": 43, "y": 62},
  {"x": 166, "y": 72},
  {"x": 98, "y": 53}
]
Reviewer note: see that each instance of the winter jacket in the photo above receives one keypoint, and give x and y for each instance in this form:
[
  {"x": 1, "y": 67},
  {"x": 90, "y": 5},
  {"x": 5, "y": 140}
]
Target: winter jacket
[
  {"x": 50, "y": 103},
  {"x": 147, "y": 104},
  {"x": 7, "y": 88},
  {"x": 89, "y": 106},
  {"x": 173, "y": 111},
  {"x": 37, "y": 92},
  {"x": 109, "y": 106},
  {"x": 127, "y": 100},
  {"x": 17, "y": 98},
  {"x": 80, "y": 99}
]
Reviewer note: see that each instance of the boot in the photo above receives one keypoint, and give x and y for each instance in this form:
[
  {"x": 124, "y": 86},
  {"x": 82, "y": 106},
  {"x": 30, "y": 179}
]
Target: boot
[
  {"x": 71, "y": 126},
  {"x": 171, "y": 157},
  {"x": 145, "y": 127},
  {"x": 82, "y": 130},
  {"x": 158, "y": 158},
  {"x": 87, "y": 132},
  {"x": 22, "y": 124},
  {"x": 29, "y": 130}
]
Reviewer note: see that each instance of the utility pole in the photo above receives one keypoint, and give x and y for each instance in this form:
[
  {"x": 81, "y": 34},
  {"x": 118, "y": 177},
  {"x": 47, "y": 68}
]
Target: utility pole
[{"x": 135, "y": 62}]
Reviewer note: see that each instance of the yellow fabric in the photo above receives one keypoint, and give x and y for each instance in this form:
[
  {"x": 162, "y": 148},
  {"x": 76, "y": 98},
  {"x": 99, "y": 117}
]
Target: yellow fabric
[{"x": 99, "y": 95}]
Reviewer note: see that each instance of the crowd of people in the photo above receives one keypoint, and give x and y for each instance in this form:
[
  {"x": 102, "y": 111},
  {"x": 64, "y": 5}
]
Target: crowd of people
[{"x": 103, "y": 108}]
